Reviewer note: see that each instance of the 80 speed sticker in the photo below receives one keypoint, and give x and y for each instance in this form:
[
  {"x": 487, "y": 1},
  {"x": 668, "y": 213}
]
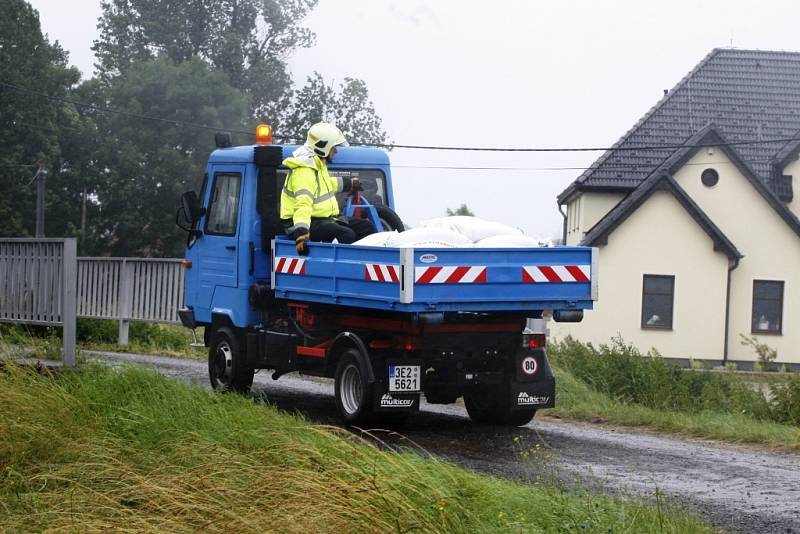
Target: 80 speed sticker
[{"x": 530, "y": 366}]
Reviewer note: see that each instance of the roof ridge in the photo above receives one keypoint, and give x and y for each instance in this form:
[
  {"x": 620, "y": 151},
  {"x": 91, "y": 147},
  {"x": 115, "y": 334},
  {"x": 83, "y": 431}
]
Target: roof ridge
[{"x": 757, "y": 50}]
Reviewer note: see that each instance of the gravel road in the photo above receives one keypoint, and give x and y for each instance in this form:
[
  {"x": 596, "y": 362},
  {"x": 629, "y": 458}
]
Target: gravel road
[{"x": 736, "y": 488}]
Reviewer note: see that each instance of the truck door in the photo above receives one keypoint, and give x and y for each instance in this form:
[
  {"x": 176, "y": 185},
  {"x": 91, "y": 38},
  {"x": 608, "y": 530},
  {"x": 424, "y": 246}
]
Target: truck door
[{"x": 219, "y": 255}]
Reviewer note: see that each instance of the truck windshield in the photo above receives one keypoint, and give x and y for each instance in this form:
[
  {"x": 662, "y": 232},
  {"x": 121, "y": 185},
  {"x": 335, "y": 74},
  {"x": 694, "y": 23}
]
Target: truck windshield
[{"x": 373, "y": 181}]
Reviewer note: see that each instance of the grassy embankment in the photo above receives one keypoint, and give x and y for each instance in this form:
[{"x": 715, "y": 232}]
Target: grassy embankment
[
  {"x": 612, "y": 384},
  {"x": 616, "y": 384},
  {"x": 101, "y": 450}
]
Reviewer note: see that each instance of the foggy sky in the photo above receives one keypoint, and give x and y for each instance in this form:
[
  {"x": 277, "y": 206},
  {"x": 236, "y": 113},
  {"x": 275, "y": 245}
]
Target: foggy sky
[{"x": 513, "y": 73}]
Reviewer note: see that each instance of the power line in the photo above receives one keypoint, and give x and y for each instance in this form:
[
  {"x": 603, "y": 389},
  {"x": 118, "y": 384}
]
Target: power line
[
  {"x": 613, "y": 167},
  {"x": 403, "y": 146}
]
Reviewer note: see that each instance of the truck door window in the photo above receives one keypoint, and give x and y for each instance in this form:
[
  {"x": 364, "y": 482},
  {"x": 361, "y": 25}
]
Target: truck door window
[{"x": 223, "y": 209}]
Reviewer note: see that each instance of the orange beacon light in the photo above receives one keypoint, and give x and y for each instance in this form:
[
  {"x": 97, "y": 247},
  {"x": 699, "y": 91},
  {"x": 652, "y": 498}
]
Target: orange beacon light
[{"x": 263, "y": 134}]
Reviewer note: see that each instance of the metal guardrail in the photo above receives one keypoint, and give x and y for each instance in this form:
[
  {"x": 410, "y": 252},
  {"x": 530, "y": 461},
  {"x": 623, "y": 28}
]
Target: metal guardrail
[
  {"x": 43, "y": 282},
  {"x": 37, "y": 285},
  {"x": 130, "y": 289}
]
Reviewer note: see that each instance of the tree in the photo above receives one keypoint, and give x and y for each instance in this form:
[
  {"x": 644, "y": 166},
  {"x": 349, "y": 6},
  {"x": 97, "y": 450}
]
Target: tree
[
  {"x": 30, "y": 67},
  {"x": 249, "y": 40},
  {"x": 349, "y": 106},
  {"x": 462, "y": 210},
  {"x": 145, "y": 165}
]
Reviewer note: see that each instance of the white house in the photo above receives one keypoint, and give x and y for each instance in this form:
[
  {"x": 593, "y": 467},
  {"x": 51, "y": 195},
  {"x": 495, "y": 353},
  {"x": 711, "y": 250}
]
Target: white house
[{"x": 695, "y": 217}]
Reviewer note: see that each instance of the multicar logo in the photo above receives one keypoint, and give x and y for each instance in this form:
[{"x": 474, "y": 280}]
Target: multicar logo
[
  {"x": 387, "y": 401},
  {"x": 428, "y": 258},
  {"x": 523, "y": 399}
]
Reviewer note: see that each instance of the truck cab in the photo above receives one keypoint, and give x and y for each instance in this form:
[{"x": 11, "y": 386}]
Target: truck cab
[{"x": 389, "y": 325}]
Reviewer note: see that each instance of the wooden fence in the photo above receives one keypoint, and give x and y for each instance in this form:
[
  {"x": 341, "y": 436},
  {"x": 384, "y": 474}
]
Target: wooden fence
[{"x": 37, "y": 285}]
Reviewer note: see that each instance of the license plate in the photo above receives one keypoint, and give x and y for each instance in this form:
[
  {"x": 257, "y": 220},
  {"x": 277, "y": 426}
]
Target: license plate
[{"x": 404, "y": 378}]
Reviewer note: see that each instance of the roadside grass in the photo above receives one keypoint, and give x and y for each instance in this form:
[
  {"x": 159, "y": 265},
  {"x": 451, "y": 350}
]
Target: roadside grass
[
  {"x": 617, "y": 385},
  {"x": 98, "y": 450},
  {"x": 577, "y": 401},
  {"x": 102, "y": 335}
]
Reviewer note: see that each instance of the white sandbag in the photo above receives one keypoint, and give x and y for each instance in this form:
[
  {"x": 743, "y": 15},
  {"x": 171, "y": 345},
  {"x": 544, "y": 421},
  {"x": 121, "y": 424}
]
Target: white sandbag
[
  {"x": 428, "y": 237},
  {"x": 508, "y": 241},
  {"x": 474, "y": 228},
  {"x": 378, "y": 239}
]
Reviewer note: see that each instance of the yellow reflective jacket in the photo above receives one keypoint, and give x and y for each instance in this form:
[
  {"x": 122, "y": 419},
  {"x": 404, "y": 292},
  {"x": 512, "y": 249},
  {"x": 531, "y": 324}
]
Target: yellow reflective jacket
[{"x": 309, "y": 190}]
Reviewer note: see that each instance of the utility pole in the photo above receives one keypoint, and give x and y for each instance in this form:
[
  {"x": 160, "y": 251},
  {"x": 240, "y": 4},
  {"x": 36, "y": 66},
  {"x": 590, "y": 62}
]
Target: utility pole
[{"x": 41, "y": 178}]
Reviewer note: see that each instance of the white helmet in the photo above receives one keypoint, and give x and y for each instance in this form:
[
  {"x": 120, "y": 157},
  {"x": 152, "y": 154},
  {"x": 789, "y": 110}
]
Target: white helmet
[{"x": 322, "y": 137}]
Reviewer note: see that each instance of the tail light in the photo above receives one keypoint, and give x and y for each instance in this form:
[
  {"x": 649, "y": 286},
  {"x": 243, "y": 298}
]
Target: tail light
[{"x": 533, "y": 341}]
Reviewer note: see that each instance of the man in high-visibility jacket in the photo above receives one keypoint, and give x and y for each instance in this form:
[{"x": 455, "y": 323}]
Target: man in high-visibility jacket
[{"x": 309, "y": 209}]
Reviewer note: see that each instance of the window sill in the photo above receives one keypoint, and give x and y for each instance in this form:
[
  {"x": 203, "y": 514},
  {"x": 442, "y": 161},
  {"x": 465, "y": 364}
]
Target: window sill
[
  {"x": 654, "y": 327},
  {"x": 767, "y": 332}
]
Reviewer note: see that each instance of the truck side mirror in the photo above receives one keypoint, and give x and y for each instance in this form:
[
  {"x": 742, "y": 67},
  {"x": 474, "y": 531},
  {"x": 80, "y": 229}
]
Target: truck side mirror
[
  {"x": 188, "y": 217},
  {"x": 191, "y": 207}
]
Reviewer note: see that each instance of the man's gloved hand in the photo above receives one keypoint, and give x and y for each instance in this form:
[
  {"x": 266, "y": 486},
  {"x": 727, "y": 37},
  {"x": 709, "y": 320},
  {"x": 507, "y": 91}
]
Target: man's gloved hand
[
  {"x": 301, "y": 244},
  {"x": 355, "y": 185}
]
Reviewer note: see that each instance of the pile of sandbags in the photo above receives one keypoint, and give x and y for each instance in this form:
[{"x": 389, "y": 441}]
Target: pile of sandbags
[{"x": 459, "y": 231}]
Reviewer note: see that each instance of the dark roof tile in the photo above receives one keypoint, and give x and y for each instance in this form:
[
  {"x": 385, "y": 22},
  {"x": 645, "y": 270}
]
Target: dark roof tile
[{"x": 747, "y": 94}]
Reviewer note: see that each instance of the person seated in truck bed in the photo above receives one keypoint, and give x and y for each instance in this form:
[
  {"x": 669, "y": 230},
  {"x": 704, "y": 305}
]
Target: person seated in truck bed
[{"x": 309, "y": 209}]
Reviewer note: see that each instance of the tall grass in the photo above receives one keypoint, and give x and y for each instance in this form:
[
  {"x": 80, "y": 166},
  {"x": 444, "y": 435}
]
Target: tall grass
[
  {"x": 100, "y": 334},
  {"x": 100, "y": 450},
  {"x": 618, "y": 384}
]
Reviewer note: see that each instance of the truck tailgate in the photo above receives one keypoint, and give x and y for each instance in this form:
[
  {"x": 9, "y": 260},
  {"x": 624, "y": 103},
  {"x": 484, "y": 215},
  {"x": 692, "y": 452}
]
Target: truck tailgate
[{"x": 437, "y": 279}]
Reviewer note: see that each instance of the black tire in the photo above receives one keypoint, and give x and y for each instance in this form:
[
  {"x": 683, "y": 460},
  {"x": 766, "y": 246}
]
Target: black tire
[
  {"x": 352, "y": 393},
  {"x": 490, "y": 406},
  {"x": 390, "y": 220},
  {"x": 227, "y": 362}
]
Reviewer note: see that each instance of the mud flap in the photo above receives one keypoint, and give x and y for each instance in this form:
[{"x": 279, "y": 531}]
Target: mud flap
[
  {"x": 385, "y": 402},
  {"x": 534, "y": 385},
  {"x": 533, "y": 395}
]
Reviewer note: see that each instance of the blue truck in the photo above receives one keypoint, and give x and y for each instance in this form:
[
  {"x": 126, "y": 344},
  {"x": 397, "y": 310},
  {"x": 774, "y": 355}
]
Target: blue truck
[{"x": 387, "y": 324}]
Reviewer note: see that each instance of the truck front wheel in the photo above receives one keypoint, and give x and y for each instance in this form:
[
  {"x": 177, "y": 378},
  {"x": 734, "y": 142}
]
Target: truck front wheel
[
  {"x": 490, "y": 406},
  {"x": 227, "y": 362}
]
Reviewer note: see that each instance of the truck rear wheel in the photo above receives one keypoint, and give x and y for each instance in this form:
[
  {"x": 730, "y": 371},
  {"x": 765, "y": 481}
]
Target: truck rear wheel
[
  {"x": 353, "y": 394},
  {"x": 490, "y": 406},
  {"x": 227, "y": 362}
]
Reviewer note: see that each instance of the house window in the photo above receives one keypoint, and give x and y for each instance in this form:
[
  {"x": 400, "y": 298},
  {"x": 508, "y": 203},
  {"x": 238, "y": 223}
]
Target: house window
[
  {"x": 709, "y": 177},
  {"x": 223, "y": 210},
  {"x": 658, "y": 295},
  {"x": 767, "y": 307}
]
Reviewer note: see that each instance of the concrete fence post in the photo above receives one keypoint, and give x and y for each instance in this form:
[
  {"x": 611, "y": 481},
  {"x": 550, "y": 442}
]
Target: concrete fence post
[
  {"x": 125, "y": 300},
  {"x": 70, "y": 301}
]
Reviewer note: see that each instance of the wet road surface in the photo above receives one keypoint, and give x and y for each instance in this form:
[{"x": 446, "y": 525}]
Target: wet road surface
[{"x": 738, "y": 489}]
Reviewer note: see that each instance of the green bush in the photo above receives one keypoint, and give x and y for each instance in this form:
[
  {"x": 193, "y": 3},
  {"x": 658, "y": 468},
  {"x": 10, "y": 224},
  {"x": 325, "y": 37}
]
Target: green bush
[
  {"x": 786, "y": 401},
  {"x": 140, "y": 334},
  {"x": 622, "y": 372},
  {"x": 97, "y": 331},
  {"x": 158, "y": 336}
]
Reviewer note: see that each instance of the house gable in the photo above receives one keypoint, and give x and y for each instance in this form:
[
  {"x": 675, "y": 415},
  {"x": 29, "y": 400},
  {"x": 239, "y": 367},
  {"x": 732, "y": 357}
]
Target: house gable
[
  {"x": 770, "y": 246},
  {"x": 660, "y": 181},
  {"x": 708, "y": 140}
]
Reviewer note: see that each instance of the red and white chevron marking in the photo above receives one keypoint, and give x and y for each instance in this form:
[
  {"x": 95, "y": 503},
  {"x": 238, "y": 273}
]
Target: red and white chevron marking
[
  {"x": 379, "y": 272},
  {"x": 290, "y": 265},
  {"x": 556, "y": 273},
  {"x": 475, "y": 274}
]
